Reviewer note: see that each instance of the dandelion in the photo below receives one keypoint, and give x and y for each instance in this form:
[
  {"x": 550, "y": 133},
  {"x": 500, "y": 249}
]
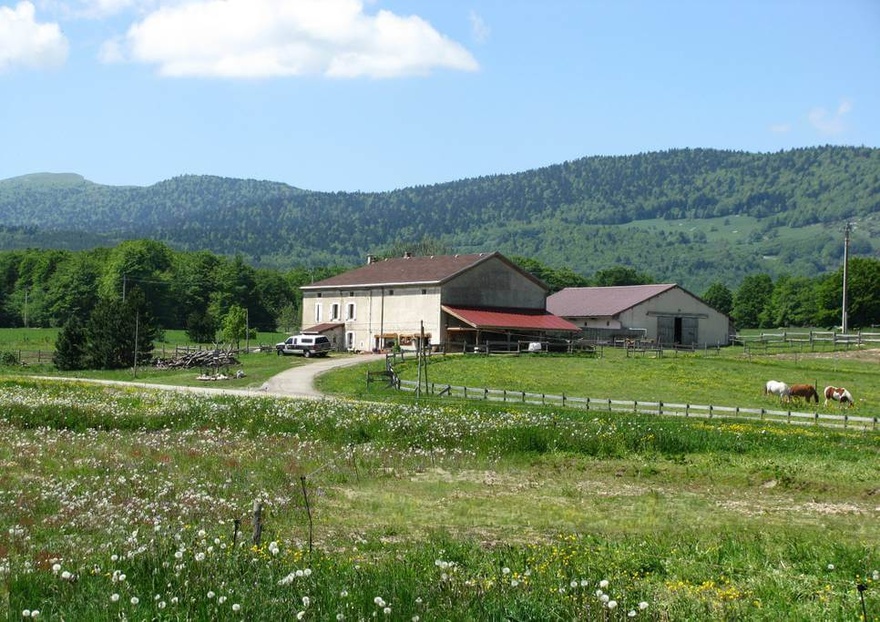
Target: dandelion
[
  {"x": 307, "y": 572},
  {"x": 35, "y": 613},
  {"x": 135, "y": 600},
  {"x": 200, "y": 556},
  {"x": 236, "y": 607},
  {"x": 603, "y": 583},
  {"x": 221, "y": 600},
  {"x": 56, "y": 568},
  {"x": 631, "y": 613},
  {"x": 573, "y": 584},
  {"x": 26, "y": 613},
  {"x": 379, "y": 602},
  {"x": 300, "y": 615},
  {"x": 830, "y": 566},
  {"x": 611, "y": 604},
  {"x": 114, "y": 598},
  {"x": 306, "y": 601},
  {"x": 210, "y": 594},
  {"x": 505, "y": 570},
  {"x": 387, "y": 611},
  {"x": 66, "y": 575},
  {"x": 605, "y": 598},
  {"x": 340, "y": 616},
  {"x": 161, "y": 604},
  {"x": 643, "y": 605},
  {"x": 343, "y": 594}
]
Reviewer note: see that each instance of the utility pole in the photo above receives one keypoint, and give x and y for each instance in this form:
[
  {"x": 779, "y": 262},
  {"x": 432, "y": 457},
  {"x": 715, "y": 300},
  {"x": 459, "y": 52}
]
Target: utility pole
[{"x": 844, "y": 322}]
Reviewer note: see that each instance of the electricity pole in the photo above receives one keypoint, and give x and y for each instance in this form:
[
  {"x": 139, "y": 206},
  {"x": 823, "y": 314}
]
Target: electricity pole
[{"x": 844, "y": 324}]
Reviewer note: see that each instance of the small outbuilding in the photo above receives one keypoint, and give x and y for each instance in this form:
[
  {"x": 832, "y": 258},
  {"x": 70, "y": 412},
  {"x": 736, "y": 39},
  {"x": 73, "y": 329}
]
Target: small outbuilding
[{"x": 665, "y": 314}]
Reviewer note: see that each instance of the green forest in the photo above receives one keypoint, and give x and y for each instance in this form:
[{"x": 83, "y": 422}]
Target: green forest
[
  {"x": 691, "y": 216},
  {"x": 198, "y": 290}
]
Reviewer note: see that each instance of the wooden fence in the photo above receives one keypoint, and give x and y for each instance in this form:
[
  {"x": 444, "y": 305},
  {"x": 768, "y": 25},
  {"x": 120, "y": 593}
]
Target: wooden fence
[
  {"x": 842, "y": 419},
  {"x": 807, "y": 341}
]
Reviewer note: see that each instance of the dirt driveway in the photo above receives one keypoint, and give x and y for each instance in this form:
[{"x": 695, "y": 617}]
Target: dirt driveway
[{"x": 299, "y": 381}]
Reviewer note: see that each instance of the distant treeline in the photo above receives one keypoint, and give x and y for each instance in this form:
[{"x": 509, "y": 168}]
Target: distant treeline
[
  {"x": 577, "y": 215},
  {"x": 197, "y": 290}
]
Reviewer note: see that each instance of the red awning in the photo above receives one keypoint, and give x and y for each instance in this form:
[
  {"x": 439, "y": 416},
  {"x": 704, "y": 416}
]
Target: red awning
[{"x": 485, "y": 318}]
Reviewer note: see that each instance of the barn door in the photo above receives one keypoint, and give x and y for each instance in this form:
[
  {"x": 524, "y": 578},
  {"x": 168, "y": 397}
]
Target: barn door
[
  {"x": 688, "y": 331},
  {"x": 666, "y": 330}
]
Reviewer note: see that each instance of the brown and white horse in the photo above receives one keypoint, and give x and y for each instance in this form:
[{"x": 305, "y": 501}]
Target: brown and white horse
[
  {"x": 806, "y": 391},
  {"x": 838, "y": 394}
]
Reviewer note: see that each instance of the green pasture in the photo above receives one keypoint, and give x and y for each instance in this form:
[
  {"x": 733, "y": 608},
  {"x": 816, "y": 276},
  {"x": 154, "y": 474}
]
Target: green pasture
[
  {"x": 721, "y": 378},
  {"x": 125, "y": 503}
]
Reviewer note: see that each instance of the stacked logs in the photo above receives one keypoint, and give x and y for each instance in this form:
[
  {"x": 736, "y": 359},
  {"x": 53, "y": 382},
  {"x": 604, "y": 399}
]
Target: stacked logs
[{"x": 200, "y": 358}]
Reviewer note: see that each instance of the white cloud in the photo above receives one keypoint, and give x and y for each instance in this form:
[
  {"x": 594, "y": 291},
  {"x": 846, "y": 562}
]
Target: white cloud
[
  {"x": 780, "y": 128},
  {"x": 271, "y": 38},
  {"x": 26, "y": 43},
  {"x": 830, "y": 123},
  {"x": 479, "y": 30}
]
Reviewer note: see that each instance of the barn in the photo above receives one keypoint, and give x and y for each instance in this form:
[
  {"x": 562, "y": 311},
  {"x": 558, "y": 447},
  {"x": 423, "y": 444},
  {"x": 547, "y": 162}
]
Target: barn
[
  {"x": 665, "y": 314},
  {"x": 457, "y": 301}
]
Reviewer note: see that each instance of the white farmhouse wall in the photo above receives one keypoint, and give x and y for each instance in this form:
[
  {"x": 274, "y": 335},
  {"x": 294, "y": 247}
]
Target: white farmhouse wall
[{"x": 377, "y": 311}]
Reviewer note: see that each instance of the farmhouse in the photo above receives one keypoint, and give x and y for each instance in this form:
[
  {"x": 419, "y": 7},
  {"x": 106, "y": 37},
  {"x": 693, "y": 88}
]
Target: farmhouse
[
  {"x": 456, "y": 300},
  {"x": 665, "y": 314}
]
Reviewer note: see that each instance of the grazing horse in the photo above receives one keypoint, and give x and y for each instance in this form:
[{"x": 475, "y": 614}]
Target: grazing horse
[
  {"x": 838, "y": 394},
  {"x": 806, "y": 391},
  {"x": 781, "y": 389}
]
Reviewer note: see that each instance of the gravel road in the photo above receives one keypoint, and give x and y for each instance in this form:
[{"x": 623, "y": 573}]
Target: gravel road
[{"x": 298, "y": 381}]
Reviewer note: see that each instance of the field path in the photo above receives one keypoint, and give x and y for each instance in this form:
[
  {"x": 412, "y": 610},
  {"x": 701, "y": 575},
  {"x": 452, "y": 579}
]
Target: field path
[{"x": 297, "y": 381}]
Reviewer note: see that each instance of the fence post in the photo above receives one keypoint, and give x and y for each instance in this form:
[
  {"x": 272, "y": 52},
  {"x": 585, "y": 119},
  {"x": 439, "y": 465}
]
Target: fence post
[
  {"x": 659, "y": 408},
  {"x": 710, "y": 411},
  {"x": 258, "y": 522},
  {"x": 687, "y": 410}
]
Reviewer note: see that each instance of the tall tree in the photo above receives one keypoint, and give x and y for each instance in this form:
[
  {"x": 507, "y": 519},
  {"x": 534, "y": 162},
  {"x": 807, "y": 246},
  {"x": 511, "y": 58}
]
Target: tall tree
[
  {"x": 719, "y": 297},
  {"x": 751, "y": 301}
]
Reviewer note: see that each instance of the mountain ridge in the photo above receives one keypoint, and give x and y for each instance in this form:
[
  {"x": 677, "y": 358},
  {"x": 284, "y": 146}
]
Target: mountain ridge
[{"x": 668, "y": 214}]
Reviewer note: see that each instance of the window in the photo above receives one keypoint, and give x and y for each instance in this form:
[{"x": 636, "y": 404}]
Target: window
[
  {"x": 424, "y": 291},
  {"x": 390, "y": 292},
  {"x": 349, "y": 314},
  {"x": 317, "y": 313},
  {"x": 349, "y": 341},
  {"x": 334, "y": 311}
]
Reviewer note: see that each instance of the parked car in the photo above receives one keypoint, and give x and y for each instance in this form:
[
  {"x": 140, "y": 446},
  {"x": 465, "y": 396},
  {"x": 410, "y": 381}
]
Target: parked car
[{"x": 306, "y": 345}]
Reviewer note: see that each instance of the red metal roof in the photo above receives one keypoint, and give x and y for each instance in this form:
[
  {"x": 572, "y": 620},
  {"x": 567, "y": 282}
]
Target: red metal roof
[
  {"x": 602, "y": 301},
  {"x": 518, "y": 319}
]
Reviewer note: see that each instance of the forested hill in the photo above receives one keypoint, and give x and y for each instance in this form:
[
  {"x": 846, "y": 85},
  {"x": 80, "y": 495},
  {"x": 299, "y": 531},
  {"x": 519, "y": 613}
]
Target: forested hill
[{"x": 689, "y": 216}]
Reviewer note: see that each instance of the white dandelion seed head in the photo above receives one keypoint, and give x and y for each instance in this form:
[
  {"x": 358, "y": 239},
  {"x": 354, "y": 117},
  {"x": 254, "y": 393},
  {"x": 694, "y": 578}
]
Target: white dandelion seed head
[
  {"x": 611, "y": 604},
  {"x": 603, "y": 583},
  {"x": 643, "y": 605}
]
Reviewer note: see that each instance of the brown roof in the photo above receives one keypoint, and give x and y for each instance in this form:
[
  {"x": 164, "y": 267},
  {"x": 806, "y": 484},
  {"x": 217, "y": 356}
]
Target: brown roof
[
  {"x": 426, "y": 270},
  {"x": 487, "y": 318},
  {"x": 602, "y": 301}
]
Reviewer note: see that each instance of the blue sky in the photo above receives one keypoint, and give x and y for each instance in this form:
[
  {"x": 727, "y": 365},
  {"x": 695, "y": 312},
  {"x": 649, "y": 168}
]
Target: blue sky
[{"x": 347, "y": 95}]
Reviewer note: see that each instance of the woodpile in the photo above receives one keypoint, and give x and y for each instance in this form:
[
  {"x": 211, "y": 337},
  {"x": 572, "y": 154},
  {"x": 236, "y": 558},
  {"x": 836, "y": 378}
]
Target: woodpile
[{"x": 200, "y": 358}]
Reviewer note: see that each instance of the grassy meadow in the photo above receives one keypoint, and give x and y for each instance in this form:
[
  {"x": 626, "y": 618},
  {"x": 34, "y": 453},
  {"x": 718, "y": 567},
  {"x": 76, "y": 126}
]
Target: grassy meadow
[{"x": 124, "y": 503}]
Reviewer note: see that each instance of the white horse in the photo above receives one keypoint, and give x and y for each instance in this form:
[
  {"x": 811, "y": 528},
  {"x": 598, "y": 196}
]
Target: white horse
[
  {"x": 838, "y": 394},
  {"x": 774, "y": 387}
]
